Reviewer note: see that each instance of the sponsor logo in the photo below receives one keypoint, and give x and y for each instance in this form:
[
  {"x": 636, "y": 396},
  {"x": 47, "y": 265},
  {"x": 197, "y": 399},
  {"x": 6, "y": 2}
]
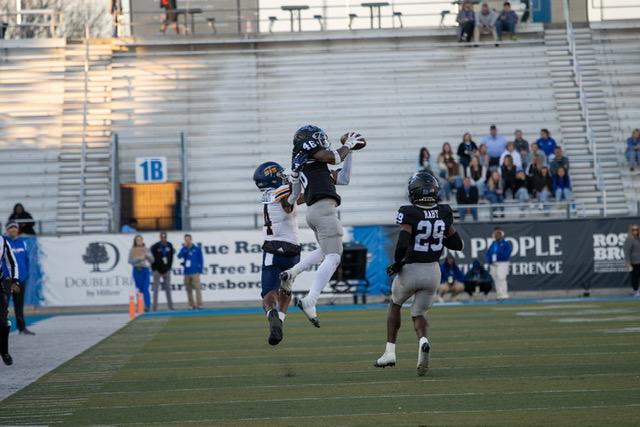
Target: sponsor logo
[
  {"x": 608, "y": 255},
  {"x": 101, "y": 256}
]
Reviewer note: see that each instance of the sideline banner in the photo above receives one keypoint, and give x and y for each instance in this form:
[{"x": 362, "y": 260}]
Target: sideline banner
[{"x": 94, "y": 269}]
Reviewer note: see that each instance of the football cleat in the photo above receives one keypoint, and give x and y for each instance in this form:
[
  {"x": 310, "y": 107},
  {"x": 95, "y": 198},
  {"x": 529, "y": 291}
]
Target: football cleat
[
  {"x": 275, "y": 327},
  {"x": 309, "y": 310},
  {"x": 7, "y": 359},
  {"x": 423, "y": 358},
  {"x": 286, "y": 279},
  {"x": 387, "y": 359}
]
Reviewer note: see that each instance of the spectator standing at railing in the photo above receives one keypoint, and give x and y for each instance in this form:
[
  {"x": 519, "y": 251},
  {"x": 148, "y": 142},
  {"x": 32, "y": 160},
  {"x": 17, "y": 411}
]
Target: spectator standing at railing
[
  {"x": 141, "y": 259},
  {"x": 559, "y": 161},
  {"x": 170, "y": 15},
  {"x": 162, "y": 252},
  {"x": 562, "y": 185},
  {"x": 425, "y": 161},
  {"x": 466, "y": 21},
  {"x": 467, "y": 195},
  {"x": 449, "y": 170},
  {"x": 508, "y": 172},
  {"x": 633, "y": 150},
  {"x": 546, "y": 143},
  {"x": 485, "y": 23},
  {"x": 477, "y": 173},
  {"x": 23, "y": 219},
  {"x": 541, "y": 185},
  {"x": 451, "y": 279},
  {"x": 21, "y": 255},
  {"x": 537, "y": 152},
  {"x": 466, "y": 150},
  {"x": 498, "y": 256},
  {"x": 495, "y": 145},
  {"x": 483, "y": 156},
  {"x": 510, "y": 150},
  {"x": 193, "y": 267},
  {"x": 631, "y": 250},
  {"x": 506, "y": 22}
]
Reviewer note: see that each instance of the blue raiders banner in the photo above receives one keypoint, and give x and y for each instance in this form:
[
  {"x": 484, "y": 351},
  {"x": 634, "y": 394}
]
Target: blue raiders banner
[{"x": 576, "y": 254}]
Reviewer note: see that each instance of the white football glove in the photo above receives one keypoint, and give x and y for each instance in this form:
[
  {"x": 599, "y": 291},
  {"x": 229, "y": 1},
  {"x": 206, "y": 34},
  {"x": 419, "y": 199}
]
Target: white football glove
[{"x": 353, "y": 138}]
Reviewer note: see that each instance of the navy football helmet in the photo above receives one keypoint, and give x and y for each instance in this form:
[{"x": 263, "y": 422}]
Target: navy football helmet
[
  {"x": 269, "y": 175},
  {"x": 423, "y": 189},
  {"x": 310, "y": 133}
]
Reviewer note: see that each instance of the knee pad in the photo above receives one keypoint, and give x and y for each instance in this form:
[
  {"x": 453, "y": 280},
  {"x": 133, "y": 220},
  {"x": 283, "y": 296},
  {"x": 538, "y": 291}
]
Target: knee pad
[{"x": 333, "y": 259}]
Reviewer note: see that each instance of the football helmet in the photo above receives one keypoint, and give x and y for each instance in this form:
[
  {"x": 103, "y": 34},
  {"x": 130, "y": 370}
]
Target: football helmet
[
  {"x": 310, "y": 133},
  {"x": 423, "y": 189},
  {"x": 269, "y": 175}
]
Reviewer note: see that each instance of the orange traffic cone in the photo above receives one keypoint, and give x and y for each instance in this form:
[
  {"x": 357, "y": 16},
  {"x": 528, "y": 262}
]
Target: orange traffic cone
[
  {"x": 132, "y": 307},
  {"x": 140, "y": 304}
]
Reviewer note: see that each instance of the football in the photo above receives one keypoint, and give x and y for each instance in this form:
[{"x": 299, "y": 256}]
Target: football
[{"x": 361, "y": 141}]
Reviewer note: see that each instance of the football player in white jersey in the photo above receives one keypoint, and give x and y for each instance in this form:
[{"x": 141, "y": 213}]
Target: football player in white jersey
[{"x": 281, "y": 249}]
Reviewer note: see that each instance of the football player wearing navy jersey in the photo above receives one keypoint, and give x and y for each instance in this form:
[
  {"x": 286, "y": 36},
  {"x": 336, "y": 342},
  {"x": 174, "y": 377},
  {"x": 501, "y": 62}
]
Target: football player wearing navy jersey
[
  {"x": 281, "y": 249},
  {"x": 312, "y": 153},
  {"x": 426, "y": 228}
]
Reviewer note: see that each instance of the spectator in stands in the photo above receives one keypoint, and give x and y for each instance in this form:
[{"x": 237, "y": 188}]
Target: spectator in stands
[
  {"x": 130, "y": 227},
  {"x": 485, "y": 23},
  {"x": 483, "y": 156},
  {"x": 537, "y": 152},
  {"x": 477, "y": 278},
  {"x": 425, "y": 162},
  {"x": 116, "y": 13},
  {"x": 449, "y": 170},
  {"x": 521, "y": 187},
  {"x": 506, "y": 22},
  {"x": 632, "y": 256},
  {"x": 193, "y": 265},
  {"x": 23, "y": 219},
  {"x": 21, "y": 254},
  {"x": 546, "y": 143},
  {"x": 162, "y": 252},
  {"x": 559, "y": 160},
  {"x": 522, "y": 147},
  {"x": 494, "y": 189},
  {"x": 140, "y": 258},
  {"x": 170, "y": 16},
  {"x": 495, "y": 145},
  {"x": 508, "y": 173},
  {"x": 451, "y": 279},
  {"x": 477, "y": 173},
  {"x": 466, "y": 150},
  {"x": 541, "y": 185},
  {"x": 498, "y": 256},
  {"x": 466, "y": 22},
  {"x": 515, "y": 156},
  {"x": 562, "y": 185},
  {"x": 536, "y": 166},
  {"x": 467, "y": 195},
  {"x": 633, "y": 150}
]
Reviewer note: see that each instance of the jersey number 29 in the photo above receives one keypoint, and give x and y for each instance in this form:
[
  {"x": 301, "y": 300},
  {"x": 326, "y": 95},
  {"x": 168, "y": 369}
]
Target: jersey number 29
[{"x": 426, "y": 232}]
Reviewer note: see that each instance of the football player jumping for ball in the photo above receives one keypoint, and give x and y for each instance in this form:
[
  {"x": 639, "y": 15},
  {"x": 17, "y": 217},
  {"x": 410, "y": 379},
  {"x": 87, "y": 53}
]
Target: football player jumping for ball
[
  {"x": 426, "y": 228},
  {"x": 312, "y": 153},
  {"x": 281, "y": 249}
]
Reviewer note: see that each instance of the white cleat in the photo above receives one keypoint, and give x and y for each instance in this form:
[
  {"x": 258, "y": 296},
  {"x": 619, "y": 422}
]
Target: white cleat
[
  {"x": 286, "y": 279},
  {"x": 387, "y": 359},
  {"x": 309, "y": 310},
  {"x": 423, "y": 357}
]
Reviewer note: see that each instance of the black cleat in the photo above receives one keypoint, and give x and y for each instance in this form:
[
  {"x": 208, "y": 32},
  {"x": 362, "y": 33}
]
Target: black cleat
[
  {"x": 7, "y": 359},
  {"x": 314, "y": 320},
  {"x": 275, "y": 327}
]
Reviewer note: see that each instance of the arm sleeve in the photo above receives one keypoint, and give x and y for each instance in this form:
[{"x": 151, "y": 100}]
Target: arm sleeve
[
  {"x": 10, "y": 259},
  {"x": 404, "y": 239},
  {"x": 181, "y": 253},
  {"x": 344, "y": 174},
  {"x": 296, "y": 189},
  {"x": 454, "y": 242}
]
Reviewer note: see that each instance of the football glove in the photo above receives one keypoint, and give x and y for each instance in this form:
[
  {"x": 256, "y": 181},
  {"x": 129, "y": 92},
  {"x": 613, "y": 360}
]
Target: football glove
[
  {"x": 394, "y": 268},
  {"x": 353, "y": 138},
  {"x": 298, "y": 161}
]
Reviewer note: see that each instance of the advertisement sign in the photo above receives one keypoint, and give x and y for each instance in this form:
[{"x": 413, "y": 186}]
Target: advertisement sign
[{"x": 94, "y": 269}]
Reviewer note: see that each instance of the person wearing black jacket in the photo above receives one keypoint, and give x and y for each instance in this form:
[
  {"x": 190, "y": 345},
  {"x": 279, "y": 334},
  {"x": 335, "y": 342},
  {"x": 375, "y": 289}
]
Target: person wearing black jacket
[
  {"x": 467, "y": 195},
  {"x": 162, "y": 252},
  {"x": 540, "y": 185},
  {"x": 8, "y": 286},
  {"x": 477, "y": 277},
  {"x": 23, "y": 218},
  {"x": 466, "y": 149}
]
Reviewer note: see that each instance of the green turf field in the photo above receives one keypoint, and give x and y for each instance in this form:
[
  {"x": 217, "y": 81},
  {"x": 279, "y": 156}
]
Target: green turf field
[{"x": 494, "y": 365}]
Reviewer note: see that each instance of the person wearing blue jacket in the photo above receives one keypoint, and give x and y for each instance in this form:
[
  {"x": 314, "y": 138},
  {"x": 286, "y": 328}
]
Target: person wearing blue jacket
[
  {"x": 478, "y": 277},
  {"x": 561, "y": 185},
  {"x": 193, "y": 266},
  {"x": 547, "y": 144},
  {"x": 451, "y": 279},
  {"x": 498, "y": 256},
  {"x": 21, "y": 253}
]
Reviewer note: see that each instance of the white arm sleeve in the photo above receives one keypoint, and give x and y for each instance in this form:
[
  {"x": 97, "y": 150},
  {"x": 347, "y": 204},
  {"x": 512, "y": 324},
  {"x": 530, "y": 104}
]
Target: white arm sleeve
[
  {"x": 344, "y": 174},
  {"x": 296, "y": 189}
]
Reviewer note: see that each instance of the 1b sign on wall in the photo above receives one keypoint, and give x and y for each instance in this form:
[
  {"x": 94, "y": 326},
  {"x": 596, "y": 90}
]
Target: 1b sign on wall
[{"x": 151, "y": 170}]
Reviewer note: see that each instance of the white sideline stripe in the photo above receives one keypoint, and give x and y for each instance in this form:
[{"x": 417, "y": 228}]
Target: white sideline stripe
[
  {"x": 548, "y": 307},
  {"x": 146, "y": 368},
  {"x": 631, "y": 330},
  {"x": 377, "y": 396},
  {"x": 575, "y": 313},
  {"x": 357, "y": 383},
  {"x": 364, "y": 414},
  {"x": 596, "y": 319}
]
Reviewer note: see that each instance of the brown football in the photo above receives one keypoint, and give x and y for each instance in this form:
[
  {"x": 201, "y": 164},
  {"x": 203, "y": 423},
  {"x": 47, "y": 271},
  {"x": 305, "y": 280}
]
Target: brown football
[{"x": 359, "y": 146}]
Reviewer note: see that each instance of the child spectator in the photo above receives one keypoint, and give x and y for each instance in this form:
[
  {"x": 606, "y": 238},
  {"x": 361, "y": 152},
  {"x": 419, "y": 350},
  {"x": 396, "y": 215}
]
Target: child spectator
[
  {"x": 506, "y": 21},
  {"x": 546, "y": 143},
  {"x": 483, "y": 156},
  {"x": 562, "y": 185},
  {"x": 508, "y": 172},
  {"x": 485, "y": 23},
  {"x": 425, "y": 162},
  {"x": 451, "y": 279},
  {"x": 478, "y": 278},
  {"x": 466, "y": 21},
  {"x": 515, "y": 156},
  {"x": 467, "y": 195},
  {"x": 477, "y": 173},
  {"x": 559, "y": 160},
  {"x": 633, "y": 150},
  {"x": 466, "y": 150}
]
